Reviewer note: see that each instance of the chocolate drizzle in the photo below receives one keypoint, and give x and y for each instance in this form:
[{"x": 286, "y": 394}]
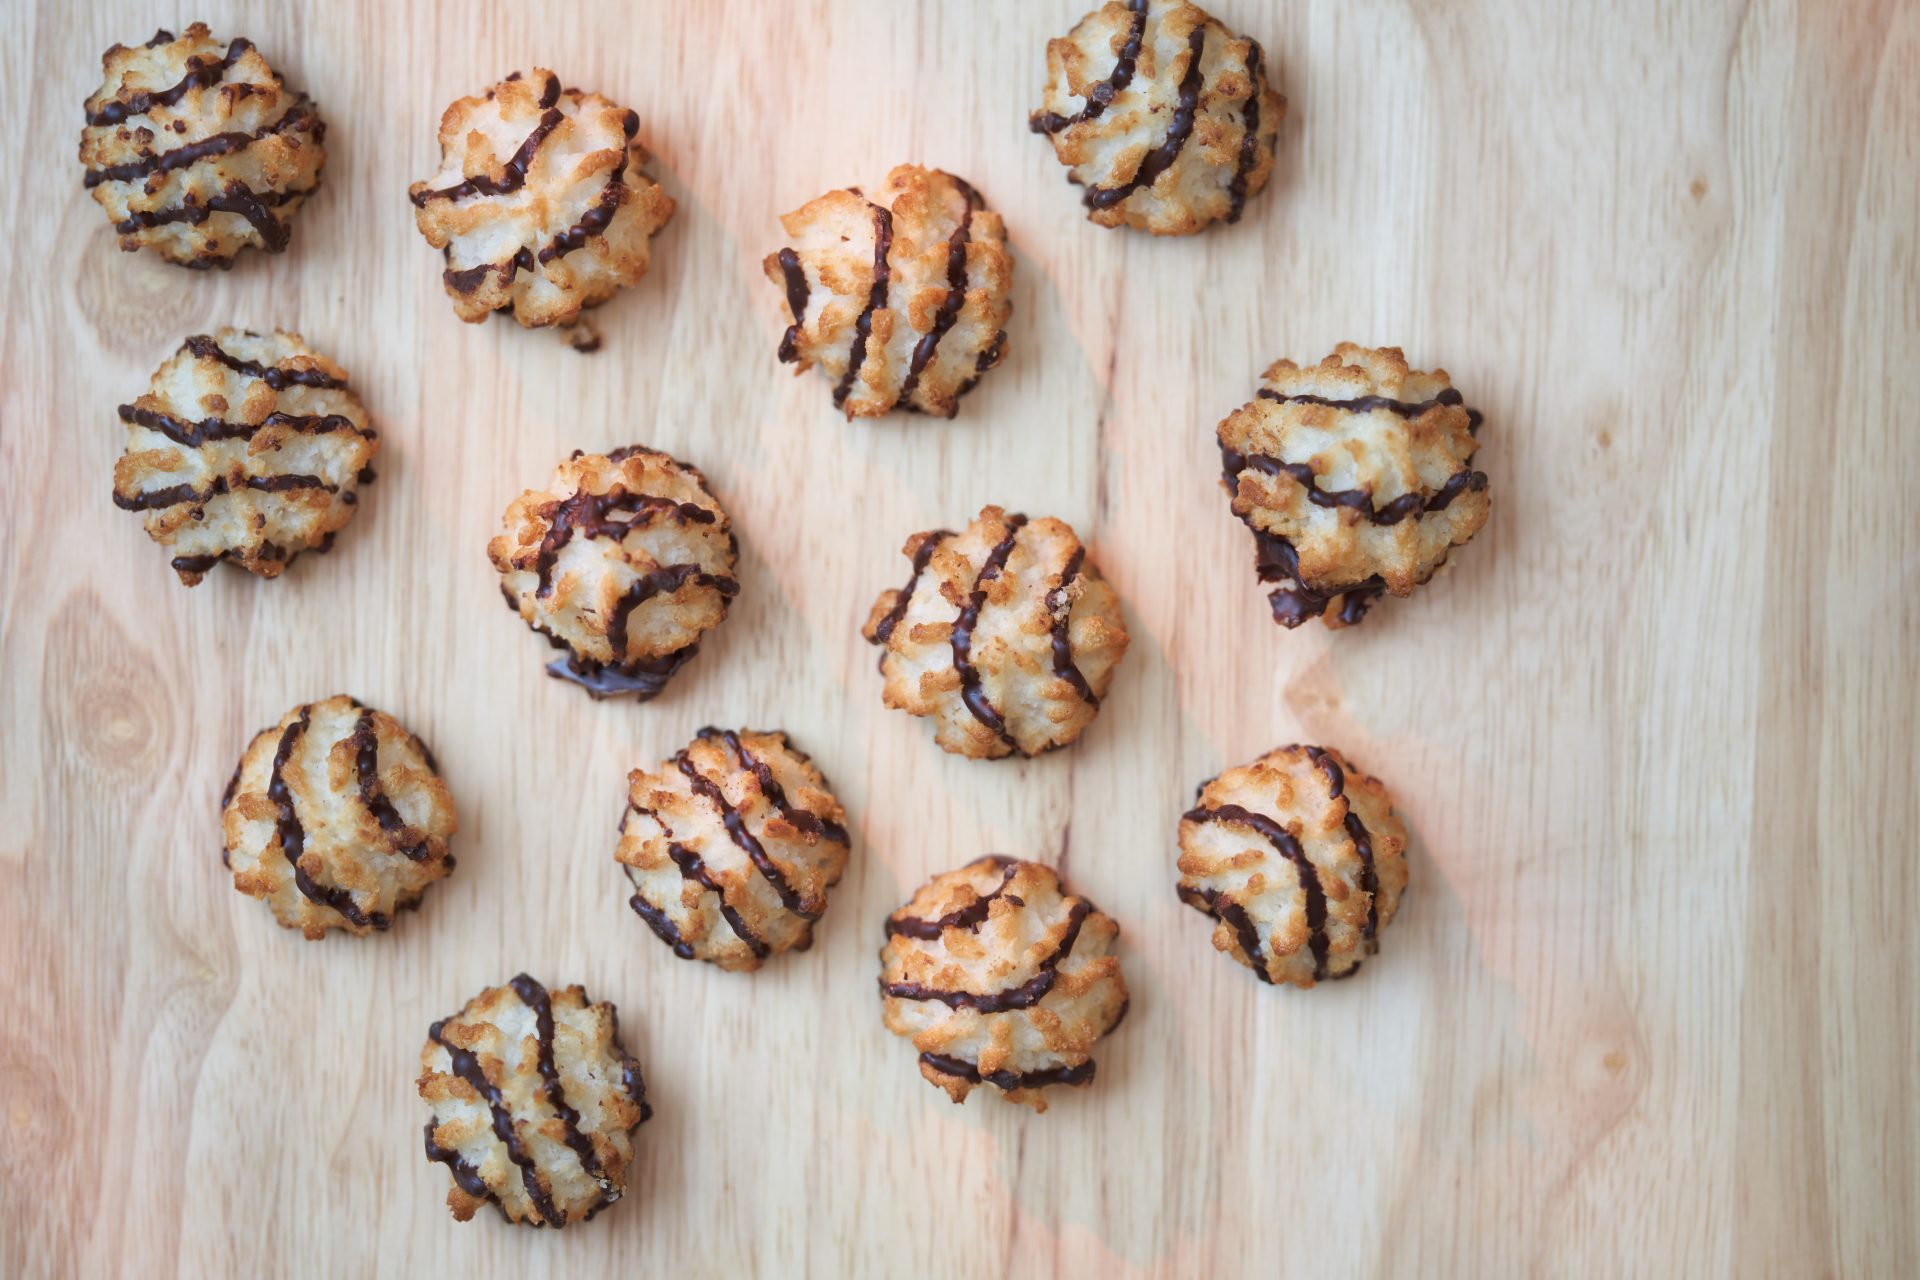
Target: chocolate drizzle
[
  {"x": 1161, "y": 158},
  {"x": 949, "y": 311},
  {"x": 1368, "y": 404},
  {"x": 293, "y": 836},
  {"x": 299, "y": 116},
  {"x": 704, "y": 787},
  {"x": 1024, "y": 996},
  {"x": 797, "y": 294},
  {"x": 962, "y": 641},
  {"x": 1250, "y": 140},
  {"x": 513, "y": 174},
  {"x": 883, "y": 630},
  {"x": 1405, "y": 507},
  {"x": 1308, "y": 874},
  {"x": 1009, "y": 1081},
  {"x": 202, "y": 70},
  {"x": 204, "y": 347},
  {"x": 1362, "y": 841},
  {"x": 1061, "y": 607},
  {"x": 803, "y": 820},
  {"x": 174, "y": 495},
  {"x": 692, "y": 868},
  {"x": 468, "y": 1068},
  {"x": 657, "y": 920},
  {"x": 469, "y": 279},
  {"x": 1107, "y": 90},
  {"x": 969, "y": 917},
  {"x": 876, "y": 299},
  {"x": 366, "y": 762},
  {"x": 534, "y": 996},
  {"x": 596, "y": 219},
  {"x": 598, "y": 515},
  {"x": 207, "y": 430}
]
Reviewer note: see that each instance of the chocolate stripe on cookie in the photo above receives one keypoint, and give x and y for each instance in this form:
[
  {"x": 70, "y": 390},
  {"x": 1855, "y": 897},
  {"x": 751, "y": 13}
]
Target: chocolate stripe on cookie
[
  {"x": 929, "y": 344},
  {"x": 883, "y": 630},
  {"x": 1023, "y": 996},
  {"x": 1250, "y": 137},
  {"x": 202, "y": 70},
  {"x": 207, "y": 430},
  {"x": 596, "y": 219},
  {"x": 1368, "y": 404},
  {"x": 204, "y": 347},
  {"x": 1358, "y": 833},
  {"x": 1107, "y": 90},
  {"x": 708, "y": 790},
  {"x": 300, "y": 116},
  {"x": 514, "y": 173},
  {"x": 366, "y": 763},
  {"x": 876, "y": 299},
  {"x": 1161, "y": 158},
  {"x": 692, "y": 868},
  {"x": 658, "y": 920},
  {"x": 969, "y": 917},
  {"x": 797, "y": 294},
  {"x": 535, "y": 997},
  {"x": 595, "y": 515},
  {"x": 1009, "y": 1080},
  {"x": 962, "y": 641},
  {"x": 293, "y": 835},
  {"x": 1062, "y": 610},
  {"x": 1308, "y": 874},
  {"x": 803, "y": 820},
  {"x": 468, "y": 1068}
]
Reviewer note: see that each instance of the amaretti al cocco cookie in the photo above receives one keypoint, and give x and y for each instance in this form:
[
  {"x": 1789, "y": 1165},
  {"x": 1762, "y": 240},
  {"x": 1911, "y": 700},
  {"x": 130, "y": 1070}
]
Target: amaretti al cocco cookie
[
  {"x": 731, "y": 847},
  {"x": 1356, "y": 477},
  {"x": 1300, "y": 859},
  {"x": 901, "y": 297},
  {"x": 1001, "y": 977},
  {"x": 197, "y": 149},
  {"x": 1005, "y": 634},
  {"x": 539, "y": 206},
  {"x": 624, "y": 561},
  {"x": 534, "y": 1103},
  {"x": 246, "y": 447},
  {"x": 337, "y": 818},
  {"x": 1163, "y": 116}
]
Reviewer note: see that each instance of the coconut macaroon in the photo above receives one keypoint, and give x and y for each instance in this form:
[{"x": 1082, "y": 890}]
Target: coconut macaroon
[
  {"x": 1356, "y": 477},
  {"x": 999, "y": 976},
  {"x": 1301, "y": 860},
  {"x": 539, "y": 207},
  {"x": 534, "y": 1101},
  {"x": 1005, "y": 634},
  {"x": 1163, "y": 115},
  {"x": 731, "y": 847},
  {"x": 901, "y": 297},
  {"x": 337, "y": 818},
  {"x": 246, "y": 447},
  {"x": 197, "y": 149},
  {"x": 624, "y": 560}
]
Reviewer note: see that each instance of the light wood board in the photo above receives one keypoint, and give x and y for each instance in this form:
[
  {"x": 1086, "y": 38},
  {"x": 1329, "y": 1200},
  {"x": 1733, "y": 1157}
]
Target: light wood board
[{"x": 1653, "y": 1006}]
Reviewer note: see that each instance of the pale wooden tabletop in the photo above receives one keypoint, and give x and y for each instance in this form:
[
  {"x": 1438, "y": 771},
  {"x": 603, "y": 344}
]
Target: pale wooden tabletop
[{"x": 1653, "y": 1005}]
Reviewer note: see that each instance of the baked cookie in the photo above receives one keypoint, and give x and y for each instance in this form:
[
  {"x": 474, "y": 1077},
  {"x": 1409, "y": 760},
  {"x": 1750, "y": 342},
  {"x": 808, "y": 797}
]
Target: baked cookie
[
  {"x": 337, "y": 817},
  {"x": 731, "y": 847},
  {"x": 248, "y": 448},
  {"x": 197, "y": 150},
  {"x": 1163, "y": 116},
  {"x": 1300, "y": 858},
  {"x": 534, "y": 1104},
  {"x": 624, "y": 560},
  {"x": 999, "y": 976},
  {"x": 901, "y": 298},
  {"x": 1356, "y": 477},
  {"x": 1005, "y": 634},
  {"x": 539, "y": 206}
]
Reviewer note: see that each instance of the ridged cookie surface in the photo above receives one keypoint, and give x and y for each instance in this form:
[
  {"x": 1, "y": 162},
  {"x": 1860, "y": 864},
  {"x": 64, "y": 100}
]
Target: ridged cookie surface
[
  {"x": 1356, "y": 477},
  {"x": 1006, "y": 636},
  {"x": 337, "y": 818},
  {"x": 1301, "y": 860},
  {"x": 246, "y": 447}
]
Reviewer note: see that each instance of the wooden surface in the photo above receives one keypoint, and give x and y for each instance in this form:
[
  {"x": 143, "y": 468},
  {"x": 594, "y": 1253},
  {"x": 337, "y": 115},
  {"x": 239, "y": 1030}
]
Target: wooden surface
[{"x": 1653, "y": 1005}]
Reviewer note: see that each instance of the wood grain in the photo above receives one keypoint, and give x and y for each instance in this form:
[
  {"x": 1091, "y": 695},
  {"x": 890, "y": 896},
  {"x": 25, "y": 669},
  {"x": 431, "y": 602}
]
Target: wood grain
[{"x": 1653, "y": 1007}]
